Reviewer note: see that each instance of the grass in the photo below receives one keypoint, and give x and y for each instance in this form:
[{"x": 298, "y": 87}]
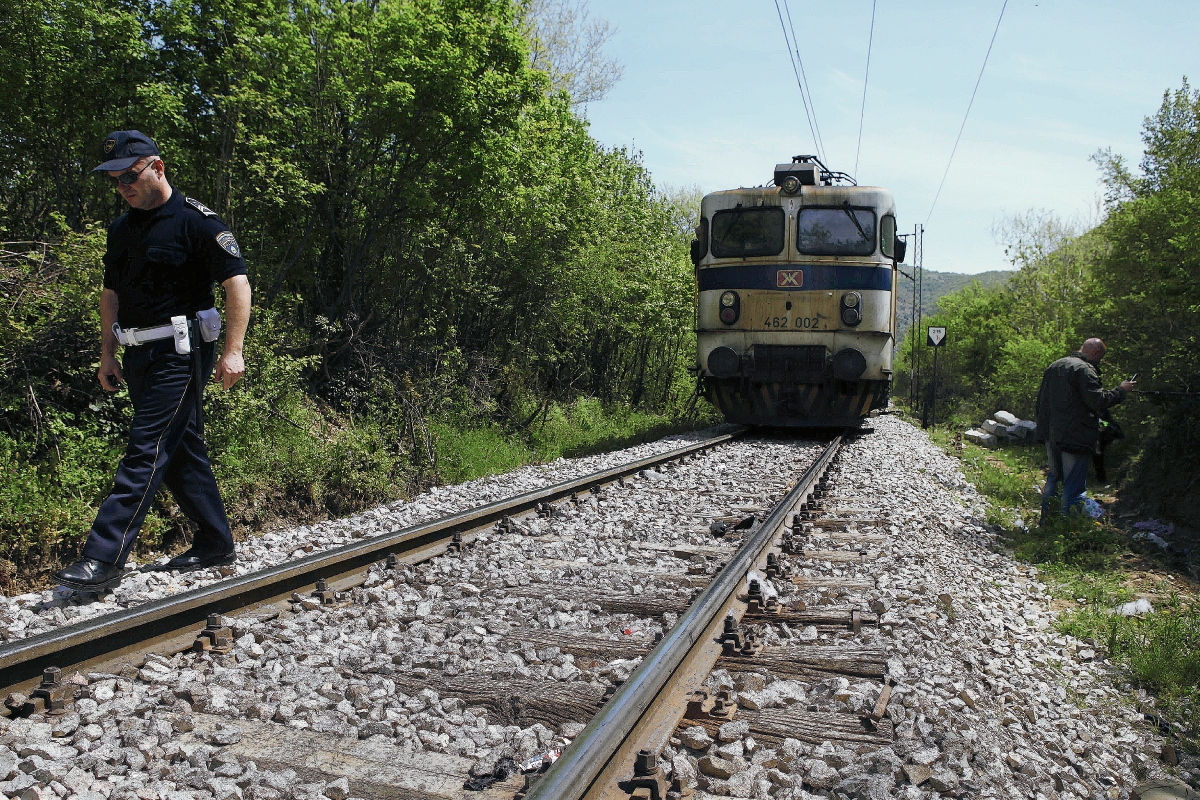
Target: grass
[
  {"x": 1082, "y": 561},
  {"x": 583, "y": 428}
]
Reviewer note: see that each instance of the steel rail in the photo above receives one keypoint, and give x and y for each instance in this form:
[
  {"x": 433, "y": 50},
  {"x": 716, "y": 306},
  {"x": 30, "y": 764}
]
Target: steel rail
[
  {"x": 25, "y": 659},
  {"x": 575, "y": 774}
]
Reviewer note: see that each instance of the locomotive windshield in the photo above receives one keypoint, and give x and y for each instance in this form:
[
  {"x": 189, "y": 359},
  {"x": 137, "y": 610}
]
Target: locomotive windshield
[
  {"x": 840, "y": 231},
  {"x": 746, "y": 232}
]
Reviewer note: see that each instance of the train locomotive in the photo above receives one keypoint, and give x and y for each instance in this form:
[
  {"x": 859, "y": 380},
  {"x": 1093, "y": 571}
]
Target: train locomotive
[{"x": 796, "y": 298}]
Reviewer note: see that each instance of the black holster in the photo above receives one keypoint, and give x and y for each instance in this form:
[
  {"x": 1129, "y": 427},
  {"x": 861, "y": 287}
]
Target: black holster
[{"x": 197, "y": 371}]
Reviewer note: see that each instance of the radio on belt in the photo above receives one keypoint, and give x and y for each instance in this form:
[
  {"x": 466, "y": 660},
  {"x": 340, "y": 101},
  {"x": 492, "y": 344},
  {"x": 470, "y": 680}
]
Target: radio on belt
[
  {"x": 183, "y": 344},
  {"x": 210, "y": 324}
]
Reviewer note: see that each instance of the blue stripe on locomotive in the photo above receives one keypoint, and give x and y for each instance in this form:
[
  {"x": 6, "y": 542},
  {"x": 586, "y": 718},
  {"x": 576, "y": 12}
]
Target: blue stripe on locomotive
[{"x": 816, "y": 277}]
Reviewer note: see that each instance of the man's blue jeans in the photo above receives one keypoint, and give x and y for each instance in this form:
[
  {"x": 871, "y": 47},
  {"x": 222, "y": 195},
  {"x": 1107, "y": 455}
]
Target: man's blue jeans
[{"x": 1069, "y": 469}]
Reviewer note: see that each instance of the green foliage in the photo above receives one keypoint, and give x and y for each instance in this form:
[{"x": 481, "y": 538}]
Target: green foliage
[
  {"x": 1010, "y": 478},
  {"x": 1159, "y": 651},
  {"x": 58, "y": 429},
  {"x": 1076, "y": 541},
  {"x": 71, "y": 72},
  {"x": 451, "y": 276},
  {"x": 585, "y": 427},
  {"x": 977, "y": 331},
  {"x": 1095, "y": 589},
  {"x": 1147, "y": 297},
  {"x": 1129, "y": 280},
  {"x": 276, "y": 449},
  {"x": 1019, "y": 371},
  {"x": 934, "y": 286}
]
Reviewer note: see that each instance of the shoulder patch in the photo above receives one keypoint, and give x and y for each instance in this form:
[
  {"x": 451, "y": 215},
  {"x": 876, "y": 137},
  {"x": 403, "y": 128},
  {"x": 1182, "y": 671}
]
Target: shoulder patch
[
  {"x": 203, "y": 209},
  {"x": 229, "y": 244}
]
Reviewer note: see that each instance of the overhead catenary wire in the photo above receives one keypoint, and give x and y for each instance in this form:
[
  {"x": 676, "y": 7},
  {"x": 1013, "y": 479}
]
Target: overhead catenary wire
[
  {"x": 969, "y": 104},
  {"x": 866, "y": 76},
  {"x": 807, "y": 90},
  {"x": 799, "y": 83}
]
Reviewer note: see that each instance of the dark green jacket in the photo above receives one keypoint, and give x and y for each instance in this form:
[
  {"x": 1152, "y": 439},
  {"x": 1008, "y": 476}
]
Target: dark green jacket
[{"x": 1069, "y": 403}]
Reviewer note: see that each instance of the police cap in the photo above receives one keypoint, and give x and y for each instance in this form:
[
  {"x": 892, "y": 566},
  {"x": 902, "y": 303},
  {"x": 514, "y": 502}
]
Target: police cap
[{"x": 122, "y": 149}]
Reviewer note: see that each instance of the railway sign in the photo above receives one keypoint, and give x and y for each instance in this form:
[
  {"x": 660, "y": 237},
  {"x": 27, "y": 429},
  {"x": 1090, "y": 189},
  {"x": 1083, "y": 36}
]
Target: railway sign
[{"x": 936, "y": 338}]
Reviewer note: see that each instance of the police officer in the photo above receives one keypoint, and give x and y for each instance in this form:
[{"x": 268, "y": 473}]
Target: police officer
[{"x": 162, "y": 259}]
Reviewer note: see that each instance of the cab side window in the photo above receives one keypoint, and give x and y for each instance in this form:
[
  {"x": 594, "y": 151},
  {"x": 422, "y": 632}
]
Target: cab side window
[{"x": 887, "y": 235}]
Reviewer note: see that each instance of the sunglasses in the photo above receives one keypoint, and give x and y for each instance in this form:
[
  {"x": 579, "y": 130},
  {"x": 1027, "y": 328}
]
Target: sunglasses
[{"x": 130, "y": 178}]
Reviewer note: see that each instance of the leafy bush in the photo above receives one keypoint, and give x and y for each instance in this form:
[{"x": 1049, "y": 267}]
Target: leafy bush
[
  {"x": 449, "y": 272},
  {"x": 1019, "y": 374}
]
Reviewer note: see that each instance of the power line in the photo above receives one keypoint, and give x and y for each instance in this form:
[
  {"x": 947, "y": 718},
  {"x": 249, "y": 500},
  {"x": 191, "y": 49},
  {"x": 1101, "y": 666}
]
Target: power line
[
  {"x": 796, "y": 44},
  {"x": 799, "y": 84},
  {"x": 964, "y": 122},
  {"x": 862, "y": 112}
]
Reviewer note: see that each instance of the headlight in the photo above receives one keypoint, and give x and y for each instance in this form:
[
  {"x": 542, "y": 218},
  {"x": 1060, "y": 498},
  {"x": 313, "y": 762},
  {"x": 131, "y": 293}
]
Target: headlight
[
  {"x": 791, "y": 184},
  {"x": 851, "y": 308},
  {"x": 731, "y": 307}
]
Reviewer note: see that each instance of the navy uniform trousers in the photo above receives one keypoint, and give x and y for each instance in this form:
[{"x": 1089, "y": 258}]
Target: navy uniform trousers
[{"x": 165, "y": 446}]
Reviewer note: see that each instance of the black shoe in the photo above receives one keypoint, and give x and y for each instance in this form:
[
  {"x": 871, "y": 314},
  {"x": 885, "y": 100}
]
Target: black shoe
[
  {"x": 90, "y": 575},
  {"x": 192, "y": 560}
]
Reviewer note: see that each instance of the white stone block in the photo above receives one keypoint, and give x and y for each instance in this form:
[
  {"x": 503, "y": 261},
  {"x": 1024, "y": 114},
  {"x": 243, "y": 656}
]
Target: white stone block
[{"x": 981, "y": 438}]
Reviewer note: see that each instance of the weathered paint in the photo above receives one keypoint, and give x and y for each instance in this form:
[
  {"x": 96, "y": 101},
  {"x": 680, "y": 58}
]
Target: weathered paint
[
  {"x": 813, "y": 286},
  {"x": 764, "y": 311},
  {"x": 829, "y": 404}
]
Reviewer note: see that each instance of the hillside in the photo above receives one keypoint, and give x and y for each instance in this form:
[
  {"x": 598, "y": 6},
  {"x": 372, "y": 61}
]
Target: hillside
[{"x": 936, "y": 286}]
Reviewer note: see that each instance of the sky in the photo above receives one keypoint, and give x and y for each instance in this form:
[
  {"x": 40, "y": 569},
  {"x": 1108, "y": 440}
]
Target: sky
[{"x": 709, "y": 98}]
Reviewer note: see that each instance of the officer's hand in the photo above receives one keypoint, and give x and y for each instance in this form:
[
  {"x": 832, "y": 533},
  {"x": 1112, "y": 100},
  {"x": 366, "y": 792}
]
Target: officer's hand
[
  {"x": 110, "y": 374},
  {"x": 1128, "y": 385},
  {"x": 230, "y": 370}
]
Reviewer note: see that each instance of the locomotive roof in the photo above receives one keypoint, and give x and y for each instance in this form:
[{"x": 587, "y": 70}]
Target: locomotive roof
[{"x": 874, "y": 196}]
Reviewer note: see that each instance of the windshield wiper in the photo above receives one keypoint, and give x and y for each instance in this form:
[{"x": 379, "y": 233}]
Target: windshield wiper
[{"x": 854, "y": 219}]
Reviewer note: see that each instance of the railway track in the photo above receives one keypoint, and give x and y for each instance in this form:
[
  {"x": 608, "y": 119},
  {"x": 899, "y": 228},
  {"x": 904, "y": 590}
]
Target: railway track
[
  {"x": 565, "y": 652},
  {"x": 95, "y": 640},
  {"x": 439, "y": 660},
  {"x": 616, "y": 755}
]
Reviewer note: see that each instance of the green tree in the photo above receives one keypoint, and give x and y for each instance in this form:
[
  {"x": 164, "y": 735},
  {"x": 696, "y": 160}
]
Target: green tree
[
  {"x": 1146, "y": 292},
  {"x": 70, "y": 72}
]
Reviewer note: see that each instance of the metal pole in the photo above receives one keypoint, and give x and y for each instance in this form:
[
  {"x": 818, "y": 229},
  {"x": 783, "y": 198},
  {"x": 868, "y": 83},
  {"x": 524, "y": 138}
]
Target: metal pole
[
  {"x": 933, "y": 399},
  {"x": 912, "y": 327},
  {"x": 920, "y": 267}
]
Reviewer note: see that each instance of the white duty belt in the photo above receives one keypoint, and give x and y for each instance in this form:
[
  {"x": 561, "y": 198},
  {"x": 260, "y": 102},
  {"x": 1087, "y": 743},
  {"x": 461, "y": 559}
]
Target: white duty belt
[{"x": 209, "y": 325}]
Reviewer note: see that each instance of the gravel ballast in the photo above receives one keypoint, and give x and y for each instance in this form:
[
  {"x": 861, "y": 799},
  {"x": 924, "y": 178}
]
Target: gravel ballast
[
  {"x": 35, "y": 612},
  {"x": 988, "y": 699},
  {"x": 454, "y": 662}
]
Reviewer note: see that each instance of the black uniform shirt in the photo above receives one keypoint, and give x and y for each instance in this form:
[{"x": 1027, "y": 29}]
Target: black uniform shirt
[{"x": 163, "y": 262}]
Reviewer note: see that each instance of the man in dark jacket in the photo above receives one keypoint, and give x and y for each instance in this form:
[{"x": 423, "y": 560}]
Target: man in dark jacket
[{"x": 1069, "y": 403}]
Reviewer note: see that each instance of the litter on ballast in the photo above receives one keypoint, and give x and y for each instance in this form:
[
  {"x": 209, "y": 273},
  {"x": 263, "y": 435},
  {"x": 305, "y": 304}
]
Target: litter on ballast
[
  {"x": 767, "y": 589},
  {"x": 1153, "y": 531},
  {"x": 1135, "y": 608},
  {"x": 541, "y": 762},
  {"x": 1153, "y": 526}
]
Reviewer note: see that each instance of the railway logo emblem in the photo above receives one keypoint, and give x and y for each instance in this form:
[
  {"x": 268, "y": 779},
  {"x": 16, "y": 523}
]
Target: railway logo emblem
[{"x": 789, "y": 278}]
